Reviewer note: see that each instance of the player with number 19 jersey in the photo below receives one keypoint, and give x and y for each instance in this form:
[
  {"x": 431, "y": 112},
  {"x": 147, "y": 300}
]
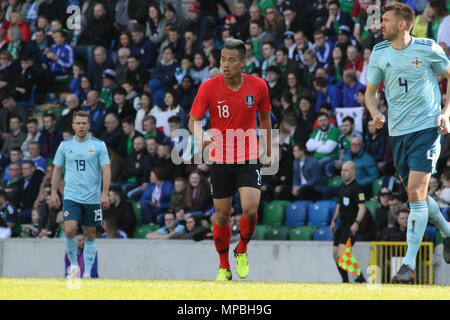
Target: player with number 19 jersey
[
  {"x": 82, "y": 162},
  {"x": 409, "y": 74},
  {"x": 234, "y": 110}
]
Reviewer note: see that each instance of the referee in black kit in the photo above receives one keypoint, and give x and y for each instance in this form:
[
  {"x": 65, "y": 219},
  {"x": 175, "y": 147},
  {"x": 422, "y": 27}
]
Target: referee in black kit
[{"x": 351, "y": 210}]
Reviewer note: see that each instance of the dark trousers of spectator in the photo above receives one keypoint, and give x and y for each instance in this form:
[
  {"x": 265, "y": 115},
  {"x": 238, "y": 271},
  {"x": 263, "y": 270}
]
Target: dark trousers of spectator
[
  {"x": 283, "y": 194},
  {"x": 149, "y": 213},
  {"x": 85, "y": 52},
  {"x": 25, "y": 216}
]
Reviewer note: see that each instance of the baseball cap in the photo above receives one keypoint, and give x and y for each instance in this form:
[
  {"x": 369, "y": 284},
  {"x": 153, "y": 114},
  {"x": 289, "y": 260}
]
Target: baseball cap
[
  {"x": 194, "y": 7},
  {"x": 288, "y": 35},
  {"x": 110, "y": 74},
  {"x": 385, "y": 192},
  {"x": 169, "y": 7},
  {"x": 345, "y": 30}
]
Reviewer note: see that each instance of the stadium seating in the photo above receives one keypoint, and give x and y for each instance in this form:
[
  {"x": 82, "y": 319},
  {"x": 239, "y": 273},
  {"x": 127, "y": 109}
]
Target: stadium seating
[
  {"x": 431, "y": 231},
  {"x": 323, "y": 234},
  {"x": 372, "y": 206},
  {"x": 334, "y": 182},
  {"x": 261, "y": 230},
  {"x": 302, "y": 233},
  {"x": 445, "y": 213},
  {"x": 282, "y": 203},
  {"x": 278, "y": 233},
  {"x": 273, "y": 215},
  {"x": 319, "y": 213},
  {"x": 376, "y": 187},
  {"x": 137, "y": 212},
  {"x": 296, "y": 215},
  {"x": 143, "y": 230}
]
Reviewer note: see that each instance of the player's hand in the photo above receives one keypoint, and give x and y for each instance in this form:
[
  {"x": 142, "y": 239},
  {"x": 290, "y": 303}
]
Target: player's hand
[
  {"x": 267, "y": 161},
  {"x": 443, "y": 124},
  {"x": 54, "y": 201},
  {"x": 333, "y": 226},
  {"x": 104, "y": 201},
  {"x": 378, "y": 120},
  {"x": 354, "y": 228},
  {"x": 207, "y": 140}
]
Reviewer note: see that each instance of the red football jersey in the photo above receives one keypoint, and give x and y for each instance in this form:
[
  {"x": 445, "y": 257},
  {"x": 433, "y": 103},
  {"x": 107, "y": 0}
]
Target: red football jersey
[{"x": 231, "y": 114}]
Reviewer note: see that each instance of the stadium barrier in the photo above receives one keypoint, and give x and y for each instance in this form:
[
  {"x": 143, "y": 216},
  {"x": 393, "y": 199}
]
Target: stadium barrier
[{"x": 388, "y": 257}]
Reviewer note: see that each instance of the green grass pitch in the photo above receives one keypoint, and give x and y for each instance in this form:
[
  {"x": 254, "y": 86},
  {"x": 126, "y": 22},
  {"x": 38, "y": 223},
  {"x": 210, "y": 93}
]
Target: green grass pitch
[{"x": 116, "y": 289}]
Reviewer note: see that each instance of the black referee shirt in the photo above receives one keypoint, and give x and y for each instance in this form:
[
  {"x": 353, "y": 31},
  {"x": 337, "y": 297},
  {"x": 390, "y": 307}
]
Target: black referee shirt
[{"x": 350, "y": 196}]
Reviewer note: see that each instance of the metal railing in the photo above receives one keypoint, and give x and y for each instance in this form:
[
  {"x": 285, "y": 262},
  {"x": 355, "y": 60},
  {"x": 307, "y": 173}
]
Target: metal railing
[{"x": 388, "y": 257}]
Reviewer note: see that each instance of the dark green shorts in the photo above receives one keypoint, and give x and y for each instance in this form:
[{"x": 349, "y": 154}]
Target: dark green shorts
[
  {"x": 416, "y": 151},
  {"x": 90, "y": 215}
]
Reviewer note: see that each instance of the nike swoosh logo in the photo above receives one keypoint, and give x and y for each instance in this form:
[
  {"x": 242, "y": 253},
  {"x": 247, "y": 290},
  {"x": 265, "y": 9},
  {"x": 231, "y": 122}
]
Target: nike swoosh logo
[{"x": 219, "y": 102}]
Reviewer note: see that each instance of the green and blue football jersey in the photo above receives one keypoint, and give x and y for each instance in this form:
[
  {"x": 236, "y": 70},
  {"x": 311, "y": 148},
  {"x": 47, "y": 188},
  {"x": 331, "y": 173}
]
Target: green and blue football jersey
[
  {"x": 412, "y": 91},
  {"x": 83, "y": 161}
]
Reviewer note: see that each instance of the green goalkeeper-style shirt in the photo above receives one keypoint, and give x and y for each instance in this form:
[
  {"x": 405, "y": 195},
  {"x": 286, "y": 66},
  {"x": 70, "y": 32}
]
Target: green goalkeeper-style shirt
[{"x": 332, "y": 133}]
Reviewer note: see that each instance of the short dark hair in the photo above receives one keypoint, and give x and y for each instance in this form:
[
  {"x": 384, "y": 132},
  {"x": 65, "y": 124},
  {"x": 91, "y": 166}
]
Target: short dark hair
[
  {"x": 128, "y": 120},
  {"x": 31, "y": 163},
  {"x": 283, "y": 49},
  {"x": 403, "y": 12},
  {"x": 137, "y": 27},
  {"x": 174, "y": 119},
  {"x": 321, "y": 82},
  {"x": 33, "y": 120},
  {"x": 235, "y": 44},
  {"x": 321, "y": 114},
  {"x": 326, "y": 106},
  {"x": 300, "y": 146},
  {"x": 159, "y": 173},
  {"x": 350, "y": 119},
  {"x": 120, "y": 90}
]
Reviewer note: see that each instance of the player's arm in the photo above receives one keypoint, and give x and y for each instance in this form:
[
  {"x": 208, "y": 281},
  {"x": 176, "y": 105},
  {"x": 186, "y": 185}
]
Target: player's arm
[
  {"x": 443, "y": 118},
  {"x": 106, "y": 179},
  {"x": 371, "y": 104},
  {"x": 56, "y": 178},
  {"x": 265, "y": 124},
  {"x": 359, "y": 217},
  {"x": 335, "y": 217},
  {"x": 195, "y": 127}
]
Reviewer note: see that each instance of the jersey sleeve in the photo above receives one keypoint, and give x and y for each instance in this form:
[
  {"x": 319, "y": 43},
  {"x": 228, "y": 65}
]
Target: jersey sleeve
[
  {"x": 360, "y": 197},
  {"x": 374, "y": 72},
  {"x": 200, "y": 104},
  {"x": 264, "y": 104},
  {"x": 60, "y": 158},
  {"x": 439, "y": 61},
  {"x": 104, "y": 158}
]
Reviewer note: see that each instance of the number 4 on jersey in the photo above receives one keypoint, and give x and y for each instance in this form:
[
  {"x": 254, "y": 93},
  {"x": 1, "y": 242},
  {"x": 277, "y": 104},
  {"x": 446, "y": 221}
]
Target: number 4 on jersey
[{"x": 403, "y": 84}]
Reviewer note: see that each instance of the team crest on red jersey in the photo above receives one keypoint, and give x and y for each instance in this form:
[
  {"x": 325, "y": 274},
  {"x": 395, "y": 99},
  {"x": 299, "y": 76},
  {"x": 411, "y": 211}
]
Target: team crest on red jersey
[{"x": 249, "y": 100}]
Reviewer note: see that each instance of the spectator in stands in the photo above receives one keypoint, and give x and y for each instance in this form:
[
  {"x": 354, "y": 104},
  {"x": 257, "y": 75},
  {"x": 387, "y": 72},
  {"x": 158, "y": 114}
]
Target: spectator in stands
[
  {"x": 133, "y": 171},
  {"x": 111, "y": 229},
  {"x": 145, "y": 104},
  {"x": 8, "y": 216},
  {"x": 301, "y": 45},
  {"x": 156, "y": 197},
  {"x": 195, "y": 21},
  {"x": 171, "y": 17},
  {"x": 121, "y": 106},
  {"x": 39, "y": 47},
  {"x": 268, "y": 54},
  {"x": 16, "y": 46},
  {"x": 34, "y": 150},
  {"x": 122, "y": 211},
  {"x": 285, "y": 64},
  {"x": 52, "y": 9},
  {"x": 398, "y": 231},
  {"x": 72, "y": 105},
  {"x": 186, "y": 93},
  {"x": 86, "y": 85},
  {"x": 323, "y": 142},
  {"x": 155, "y": 25},
  {"x": 375, "y": 144},
  {"x": 354, "y": 60},
  {"x": 169, "y": 109},
  {"x": 309, "y": 70},
  {"x": 100, "y": 64},
  {"x": 381, "y": 213},
  {"x": 142, "y": 47},
  {"x": 109, "y": 84},
  {"x": 337, "y": 18},
  {"x": 366, "y": 168},
  {"x": 327, "y": 93},
  {"x": 121, "y": 66},
  {"x": 293, "y": 20},
  {"x": 198, "y": 197},
  {"x": 361, "y": 30},
  {"x": 171, "y": 226},
  {"x": 151, "y": 131},
  {"x": 394, "y": 203},
  {"x": 12, "y": 108},
  {"x": 137, "y": 75},
  {"x": 306, "y": 179},
  {"x": 60, "y": 57},
  {"x": 113, "y": 137},
  {"x": 165, "y": 69},
  {"x": 363, "y": 77},
  {"x": 351, "y": 88},
  {"x": 251, "y": 63},
  {"x": 15, "y": 156},
  {"x": 259, "y": 37},
  {"x": 126, "y": 145},
  {"x": 191, "y": 43},
  {"x": 199, "y": 71},
  {"x": 178, "y": 197},
  {"x": 22, "y": 86},
  {"x": 275, "y": 84},
  {"x": 174, "y": 40},
  {"x": 13, "y": 185},
  {"x": 15, "y": 137},
  {"x": 33, "y": 229},
  {"x": 96, "y": 110},
  {"x": 433, "y": 186},
  {"x": 193, "y": 230},
  {"x": 8, "y": 69},
  {"x": 272, "y": 21},
  {"x": 80, "y": 255},
  {"x": 323, "y": 47},
  {"x": 240, "y": 29},
  {"x": 29, "y": 189},
  {"x": 33, "y": 135},
  {"x": 443, "y": 193}
]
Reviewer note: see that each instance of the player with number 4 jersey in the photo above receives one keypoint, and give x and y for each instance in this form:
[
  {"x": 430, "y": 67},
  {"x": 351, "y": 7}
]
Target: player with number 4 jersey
[
  {"x": 409, "y": 66},
  {"x": 87, "y": 179}
]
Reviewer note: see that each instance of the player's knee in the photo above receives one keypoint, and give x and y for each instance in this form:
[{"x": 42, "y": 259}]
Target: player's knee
[
  {"x": 90, "y": 236},
  {"x": 250, "y": 208},
  {"x": 70, "y": 233}
]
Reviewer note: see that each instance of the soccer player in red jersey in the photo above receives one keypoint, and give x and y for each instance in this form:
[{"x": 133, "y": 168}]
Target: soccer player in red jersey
[{"x": 233, "y": 99}]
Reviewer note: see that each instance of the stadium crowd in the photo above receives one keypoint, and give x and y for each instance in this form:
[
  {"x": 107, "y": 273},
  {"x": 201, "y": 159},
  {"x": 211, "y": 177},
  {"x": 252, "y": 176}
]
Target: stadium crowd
[{"x": 135, "y": 66}]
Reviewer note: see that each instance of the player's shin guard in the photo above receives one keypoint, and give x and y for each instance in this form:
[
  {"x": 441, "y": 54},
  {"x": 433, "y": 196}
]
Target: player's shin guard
[
  {"x": 71, "y": 248},
  {"x": 417, "y": 223},
  {"x": 246, "y": 230},
  {"x": 222, "y": 235},
  {"x": 89, "y": 253},
  {"x": 435, "y": 217}
]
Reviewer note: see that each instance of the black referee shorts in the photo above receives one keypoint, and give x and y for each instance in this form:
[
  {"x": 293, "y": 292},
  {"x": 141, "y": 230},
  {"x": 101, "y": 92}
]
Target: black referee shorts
[
  {"x": 227, "y": 178},
  {"x": 342, "y": 234}
]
